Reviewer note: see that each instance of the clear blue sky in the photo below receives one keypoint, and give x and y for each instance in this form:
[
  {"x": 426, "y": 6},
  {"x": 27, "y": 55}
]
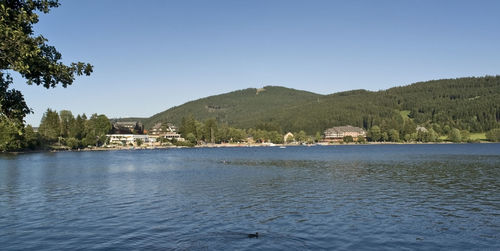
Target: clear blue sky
[{"x": 152, "y": 55}]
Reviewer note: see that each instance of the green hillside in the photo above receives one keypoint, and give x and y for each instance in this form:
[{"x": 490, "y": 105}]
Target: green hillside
[
  {"x": 243, "y": 108},
  {"x": 471, "y": 104}
]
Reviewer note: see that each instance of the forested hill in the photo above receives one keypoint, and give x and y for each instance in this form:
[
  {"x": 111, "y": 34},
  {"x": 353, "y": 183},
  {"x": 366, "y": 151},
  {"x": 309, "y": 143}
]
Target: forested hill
[
  {"x": 242, "y": 108},
  {"x": 471, "y": 104}
]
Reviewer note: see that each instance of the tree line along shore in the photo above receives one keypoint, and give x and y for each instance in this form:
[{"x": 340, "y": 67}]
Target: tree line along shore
[
  {"x": 63, "y": 131},
  {"x": 446, "y": 110}
]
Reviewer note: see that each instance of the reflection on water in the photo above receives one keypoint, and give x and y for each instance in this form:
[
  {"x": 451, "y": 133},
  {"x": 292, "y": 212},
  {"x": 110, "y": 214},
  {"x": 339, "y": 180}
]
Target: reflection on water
[{"x": 339, "y": 197}]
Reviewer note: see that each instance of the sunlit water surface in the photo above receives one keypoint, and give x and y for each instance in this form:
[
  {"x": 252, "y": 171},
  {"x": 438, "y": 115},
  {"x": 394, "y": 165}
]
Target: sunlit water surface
[{"x": 336, "y": 197}]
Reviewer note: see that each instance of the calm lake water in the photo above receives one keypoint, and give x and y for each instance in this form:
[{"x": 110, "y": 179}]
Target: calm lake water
[{"x": 323, "y": 197}]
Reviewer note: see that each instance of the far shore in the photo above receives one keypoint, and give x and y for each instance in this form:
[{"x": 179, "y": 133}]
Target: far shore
[{"x": 231, "y": 145}]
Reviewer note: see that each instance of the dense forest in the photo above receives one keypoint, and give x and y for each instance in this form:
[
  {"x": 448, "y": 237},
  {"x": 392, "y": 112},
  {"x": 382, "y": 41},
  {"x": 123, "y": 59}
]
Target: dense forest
[
  {"x": 57, "y": 131},
  {"x": 471, "y": 104},
  {"x": 449, "y": 109}
]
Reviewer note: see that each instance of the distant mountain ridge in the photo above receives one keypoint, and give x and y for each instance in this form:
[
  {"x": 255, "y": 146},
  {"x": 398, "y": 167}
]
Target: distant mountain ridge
[{"x": 471, "y": 103}]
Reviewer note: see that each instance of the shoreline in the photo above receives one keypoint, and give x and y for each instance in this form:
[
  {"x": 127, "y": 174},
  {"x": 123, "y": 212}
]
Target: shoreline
[{"x": 228, "y": 145}]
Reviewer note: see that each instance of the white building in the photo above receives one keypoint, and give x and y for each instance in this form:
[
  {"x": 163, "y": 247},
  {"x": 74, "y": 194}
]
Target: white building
[
  {"x": 129, "y": 138},
  {"x": 173, "y": 135}
]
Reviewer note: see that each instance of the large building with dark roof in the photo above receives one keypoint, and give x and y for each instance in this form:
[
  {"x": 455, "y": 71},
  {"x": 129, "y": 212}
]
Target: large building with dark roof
[{"x": 128, "y": 128}]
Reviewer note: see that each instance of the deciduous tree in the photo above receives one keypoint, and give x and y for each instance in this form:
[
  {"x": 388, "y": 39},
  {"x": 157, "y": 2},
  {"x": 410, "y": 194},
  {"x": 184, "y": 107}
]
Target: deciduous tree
[
  {"x": 301, "y": 136},
  {"x": 96, "y": 129},
  {"x": 454, "y": 135},
  {"x": 10, "y": 134},
  {"x": 493, "y": 135},
  {"x": 374, "y": 134},
  {"x": 393, "y": 135},
  {"x": 30, "y": 55},
  {"x": 31, "y": 140}
]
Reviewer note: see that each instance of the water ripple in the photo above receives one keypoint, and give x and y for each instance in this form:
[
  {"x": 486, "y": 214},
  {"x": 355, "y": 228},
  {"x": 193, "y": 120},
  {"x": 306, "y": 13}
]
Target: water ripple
[{"x": 298, "y": 198}]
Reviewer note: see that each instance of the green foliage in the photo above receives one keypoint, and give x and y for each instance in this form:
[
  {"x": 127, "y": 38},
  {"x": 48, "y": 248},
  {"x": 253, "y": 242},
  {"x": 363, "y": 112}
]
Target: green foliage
[
  {"x": 74, "y": 133},
  {"x": 96, "y": 129},
  {"x": 393, "y": 135},
  {"x": 348, "y": 139},
  {"x": 190, "y": 126},
  {"x": 210, "y": 130},
  {"x": 464, "y": 135},
  {"x": 422, "y": 136},
  {"x": 441, "y": 106},
  {"x": 228, "y": 134},
  {"x": 89, "y": 141},
  {"x": 236, "y": 135},
  {"x": 77, "y": 127},
  {"x": 409, "y": 127},
  {"x": 493, "y": 135},
  {"x": 432, "y": 136},
  {"x": 67, "y": 120},
  {"x": 361, "y": 140},
  {"x": 240, "y": 109},
  {"x": 50, "y": 126},
  {"x": 374, "y": 134},
  {"x": 446, "y": 129},
  {"x": 73, "y": 143},
  {"x": 262, "y": 136},
  {"x": 98, "y": 125},
  {"x": 31, "y": 138},
  {"x": 478, "y": 136},
  {"x": 405, "y": 114},
  {"x": 385, "y": 137},
  {"x": 310, "y": 140},
  {"x": 268, "y": 126},
  {"x": 10, "y": 134},
  {"x": 437, "y": 129},
  {"x": 190, "y": 137},
  {"x": 317, "y": 137},
  {"x": 301, "y": 136},
  {"x": 454, "y": 135},
  {"x": 413, "y": 136},
  {"x": 139, "y": 142},
  {"x": 275, "y": 137},
  {"x": 12, "y": 104},
  {"x": 464, "y": 103},
  {"x": 184, "y": 143},
  {"x": 14, "y": 137},
  {"x": 471, "y": 104},
  {"x": 29, "y": 55},
  {"x": 407, "y": 138}
]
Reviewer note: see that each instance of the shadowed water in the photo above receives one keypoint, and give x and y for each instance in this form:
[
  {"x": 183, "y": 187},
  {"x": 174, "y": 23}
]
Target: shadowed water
[{"x": 335, "y": 197}]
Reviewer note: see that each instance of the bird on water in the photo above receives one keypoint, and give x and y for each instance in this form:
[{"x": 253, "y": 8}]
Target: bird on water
[{"x": 256, "y": 235}]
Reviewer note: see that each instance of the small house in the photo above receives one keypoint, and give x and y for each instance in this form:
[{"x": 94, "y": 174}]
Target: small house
[{"x": 288, "y": 137}]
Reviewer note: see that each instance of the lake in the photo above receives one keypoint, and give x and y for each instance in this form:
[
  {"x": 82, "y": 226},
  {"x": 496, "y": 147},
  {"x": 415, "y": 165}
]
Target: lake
[{"x": 346, "y": 197}]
